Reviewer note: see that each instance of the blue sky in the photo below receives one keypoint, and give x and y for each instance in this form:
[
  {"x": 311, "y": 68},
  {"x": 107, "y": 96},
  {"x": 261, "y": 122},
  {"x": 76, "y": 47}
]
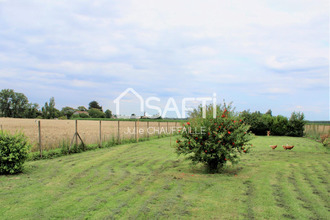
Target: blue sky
[{"x": 258, "y": 54}]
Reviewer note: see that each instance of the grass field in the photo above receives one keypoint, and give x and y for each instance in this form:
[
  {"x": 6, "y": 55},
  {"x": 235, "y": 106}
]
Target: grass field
[{"x": 148, "y": 181}]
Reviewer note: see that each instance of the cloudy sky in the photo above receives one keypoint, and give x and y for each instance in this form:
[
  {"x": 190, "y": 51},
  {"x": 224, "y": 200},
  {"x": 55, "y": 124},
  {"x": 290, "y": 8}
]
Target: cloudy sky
[{"x": 258, "y": 54}]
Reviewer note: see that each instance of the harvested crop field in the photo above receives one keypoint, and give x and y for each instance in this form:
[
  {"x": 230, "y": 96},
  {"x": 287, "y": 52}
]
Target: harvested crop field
[{"x": 55, "y": 132}]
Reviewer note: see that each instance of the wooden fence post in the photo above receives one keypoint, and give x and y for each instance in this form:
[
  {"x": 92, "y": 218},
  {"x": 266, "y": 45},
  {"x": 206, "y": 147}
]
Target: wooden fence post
[
  {"x": 100, "y": 131},
  {"x": 158, "y": 129},
  {"x": 118, "y": 136},
  {"x": 39, "y": 131}
]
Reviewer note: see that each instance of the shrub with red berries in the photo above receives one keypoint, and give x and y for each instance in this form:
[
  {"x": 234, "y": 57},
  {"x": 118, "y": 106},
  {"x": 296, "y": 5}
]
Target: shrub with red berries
[{"x": 214, "y": 141}]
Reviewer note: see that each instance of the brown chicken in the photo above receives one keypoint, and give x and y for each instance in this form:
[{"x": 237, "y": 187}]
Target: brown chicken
[
  {"x": 287, "y": 147},
  {"x": 273, "y": 146}
]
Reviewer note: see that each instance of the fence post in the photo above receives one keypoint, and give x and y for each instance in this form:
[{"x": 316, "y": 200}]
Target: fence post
[
  {"x": 118, "y": 136},
  {"x": 158, "y": 129},
  {"x": 76, "y": 131},
  {"x": 39, "y": 131},
  {"x": 100, "y": 132}
]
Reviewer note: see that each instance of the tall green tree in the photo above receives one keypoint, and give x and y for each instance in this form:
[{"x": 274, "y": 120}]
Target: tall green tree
[
  {"x": 19, "y": 105},
  {"x": 108, "y": 113},
  {"x": 82, "y": 108},
  {"x": 49, "y": 111},
  {"x": 95, "y": 104},
  {"x": 5, "y": 102},
  {"x": 96, "y": 113},
  {"x": 12, "y": 104},
  {"x": 67, "y": 111},
  {"x": 32, "y": 111}
]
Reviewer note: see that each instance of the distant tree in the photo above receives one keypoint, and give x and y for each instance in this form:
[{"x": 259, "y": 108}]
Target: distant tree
[
  {"x": 13, "y": 104},
  {"x": 296, "y": 124},
  {"x": 280, "y": 125},
  {"x": 49, "y": 111},
  {"x": 108, "y": 113},
  {"x": 82, "y": 108},
  {"x": 269, "y": 112},
  {"x": 32, "y": 111},
  {"x": 96, "y": 113},
  {"x": 95, "y": 104},
  {"x": 5, "y": 102},
  {"x": 67, "y": 111}
]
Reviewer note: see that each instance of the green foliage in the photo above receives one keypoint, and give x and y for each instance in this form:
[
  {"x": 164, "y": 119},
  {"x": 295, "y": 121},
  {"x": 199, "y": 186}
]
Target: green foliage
[
  {"x": 13, "y": 104},
  {"x": 108, "y": 113},
  {"x": 258, "y": 125},
  {"x": 95, "y": 104},
  {"x": 32, "y": 111},
  {"x": 278, "y": 125},
  {"x": 49, "y": 111},
  {"x": 82, "y": 108},
  {"x": 326, "y": 142},
  {"x": 67, "y": 111},
  {"x": 214, "y": 141},
  {"x": 83, "y": 115},
  {"x": 96, "y": 113},
  {"x": 14, "y": 150},
  {"x": 296, "y": 125}
]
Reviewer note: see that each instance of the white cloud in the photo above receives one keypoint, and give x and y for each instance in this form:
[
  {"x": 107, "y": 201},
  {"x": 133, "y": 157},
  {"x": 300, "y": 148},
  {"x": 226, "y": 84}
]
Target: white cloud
[{"x": 271, "y": 49}]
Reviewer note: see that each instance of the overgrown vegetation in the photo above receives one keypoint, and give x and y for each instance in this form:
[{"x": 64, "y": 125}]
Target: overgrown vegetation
[
  {"x": 14, "y": 151},
  {"x": 277, "y": 125},
  {"x": 214, "y": 141}
]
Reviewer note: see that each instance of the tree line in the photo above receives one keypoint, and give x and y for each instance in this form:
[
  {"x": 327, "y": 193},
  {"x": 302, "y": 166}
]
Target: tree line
[
  {"x": 277, "y": 125},
  {"x": 17, "y": 105}
]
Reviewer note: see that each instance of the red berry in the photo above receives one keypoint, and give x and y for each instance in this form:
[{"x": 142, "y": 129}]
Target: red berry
[
  {"x": 205, "y": 151},
  {"x": 188, "y": 123},
  {"x": 229, "y": 132}
]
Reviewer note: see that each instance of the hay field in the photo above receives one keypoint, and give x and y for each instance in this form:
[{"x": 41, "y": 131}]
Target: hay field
[
  {"x": 55, "y": 132},
  {"x": 322, "y": 129}
]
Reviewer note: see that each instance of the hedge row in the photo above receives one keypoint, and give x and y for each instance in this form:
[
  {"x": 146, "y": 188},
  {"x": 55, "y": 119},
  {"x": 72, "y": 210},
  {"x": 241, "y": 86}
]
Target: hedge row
[{"x": 277, "y": 125}]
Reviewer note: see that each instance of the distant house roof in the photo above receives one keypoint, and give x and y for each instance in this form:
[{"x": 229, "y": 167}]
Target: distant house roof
[{"x": 80, "y": 112}]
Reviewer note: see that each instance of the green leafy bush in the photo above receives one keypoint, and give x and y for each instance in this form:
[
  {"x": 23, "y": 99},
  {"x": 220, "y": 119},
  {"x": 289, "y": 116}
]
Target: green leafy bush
[
  {"x": 280, "y": 125},
  {"x": 96, "y": 113},
  {"x": 14, "y": 151},
  {"x": 296, "y": 125},
  {"x": 214, "y": 141}
]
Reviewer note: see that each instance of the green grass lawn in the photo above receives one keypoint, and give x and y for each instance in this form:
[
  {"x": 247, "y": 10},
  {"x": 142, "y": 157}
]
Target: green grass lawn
[{"x": 148, "y": 181}]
